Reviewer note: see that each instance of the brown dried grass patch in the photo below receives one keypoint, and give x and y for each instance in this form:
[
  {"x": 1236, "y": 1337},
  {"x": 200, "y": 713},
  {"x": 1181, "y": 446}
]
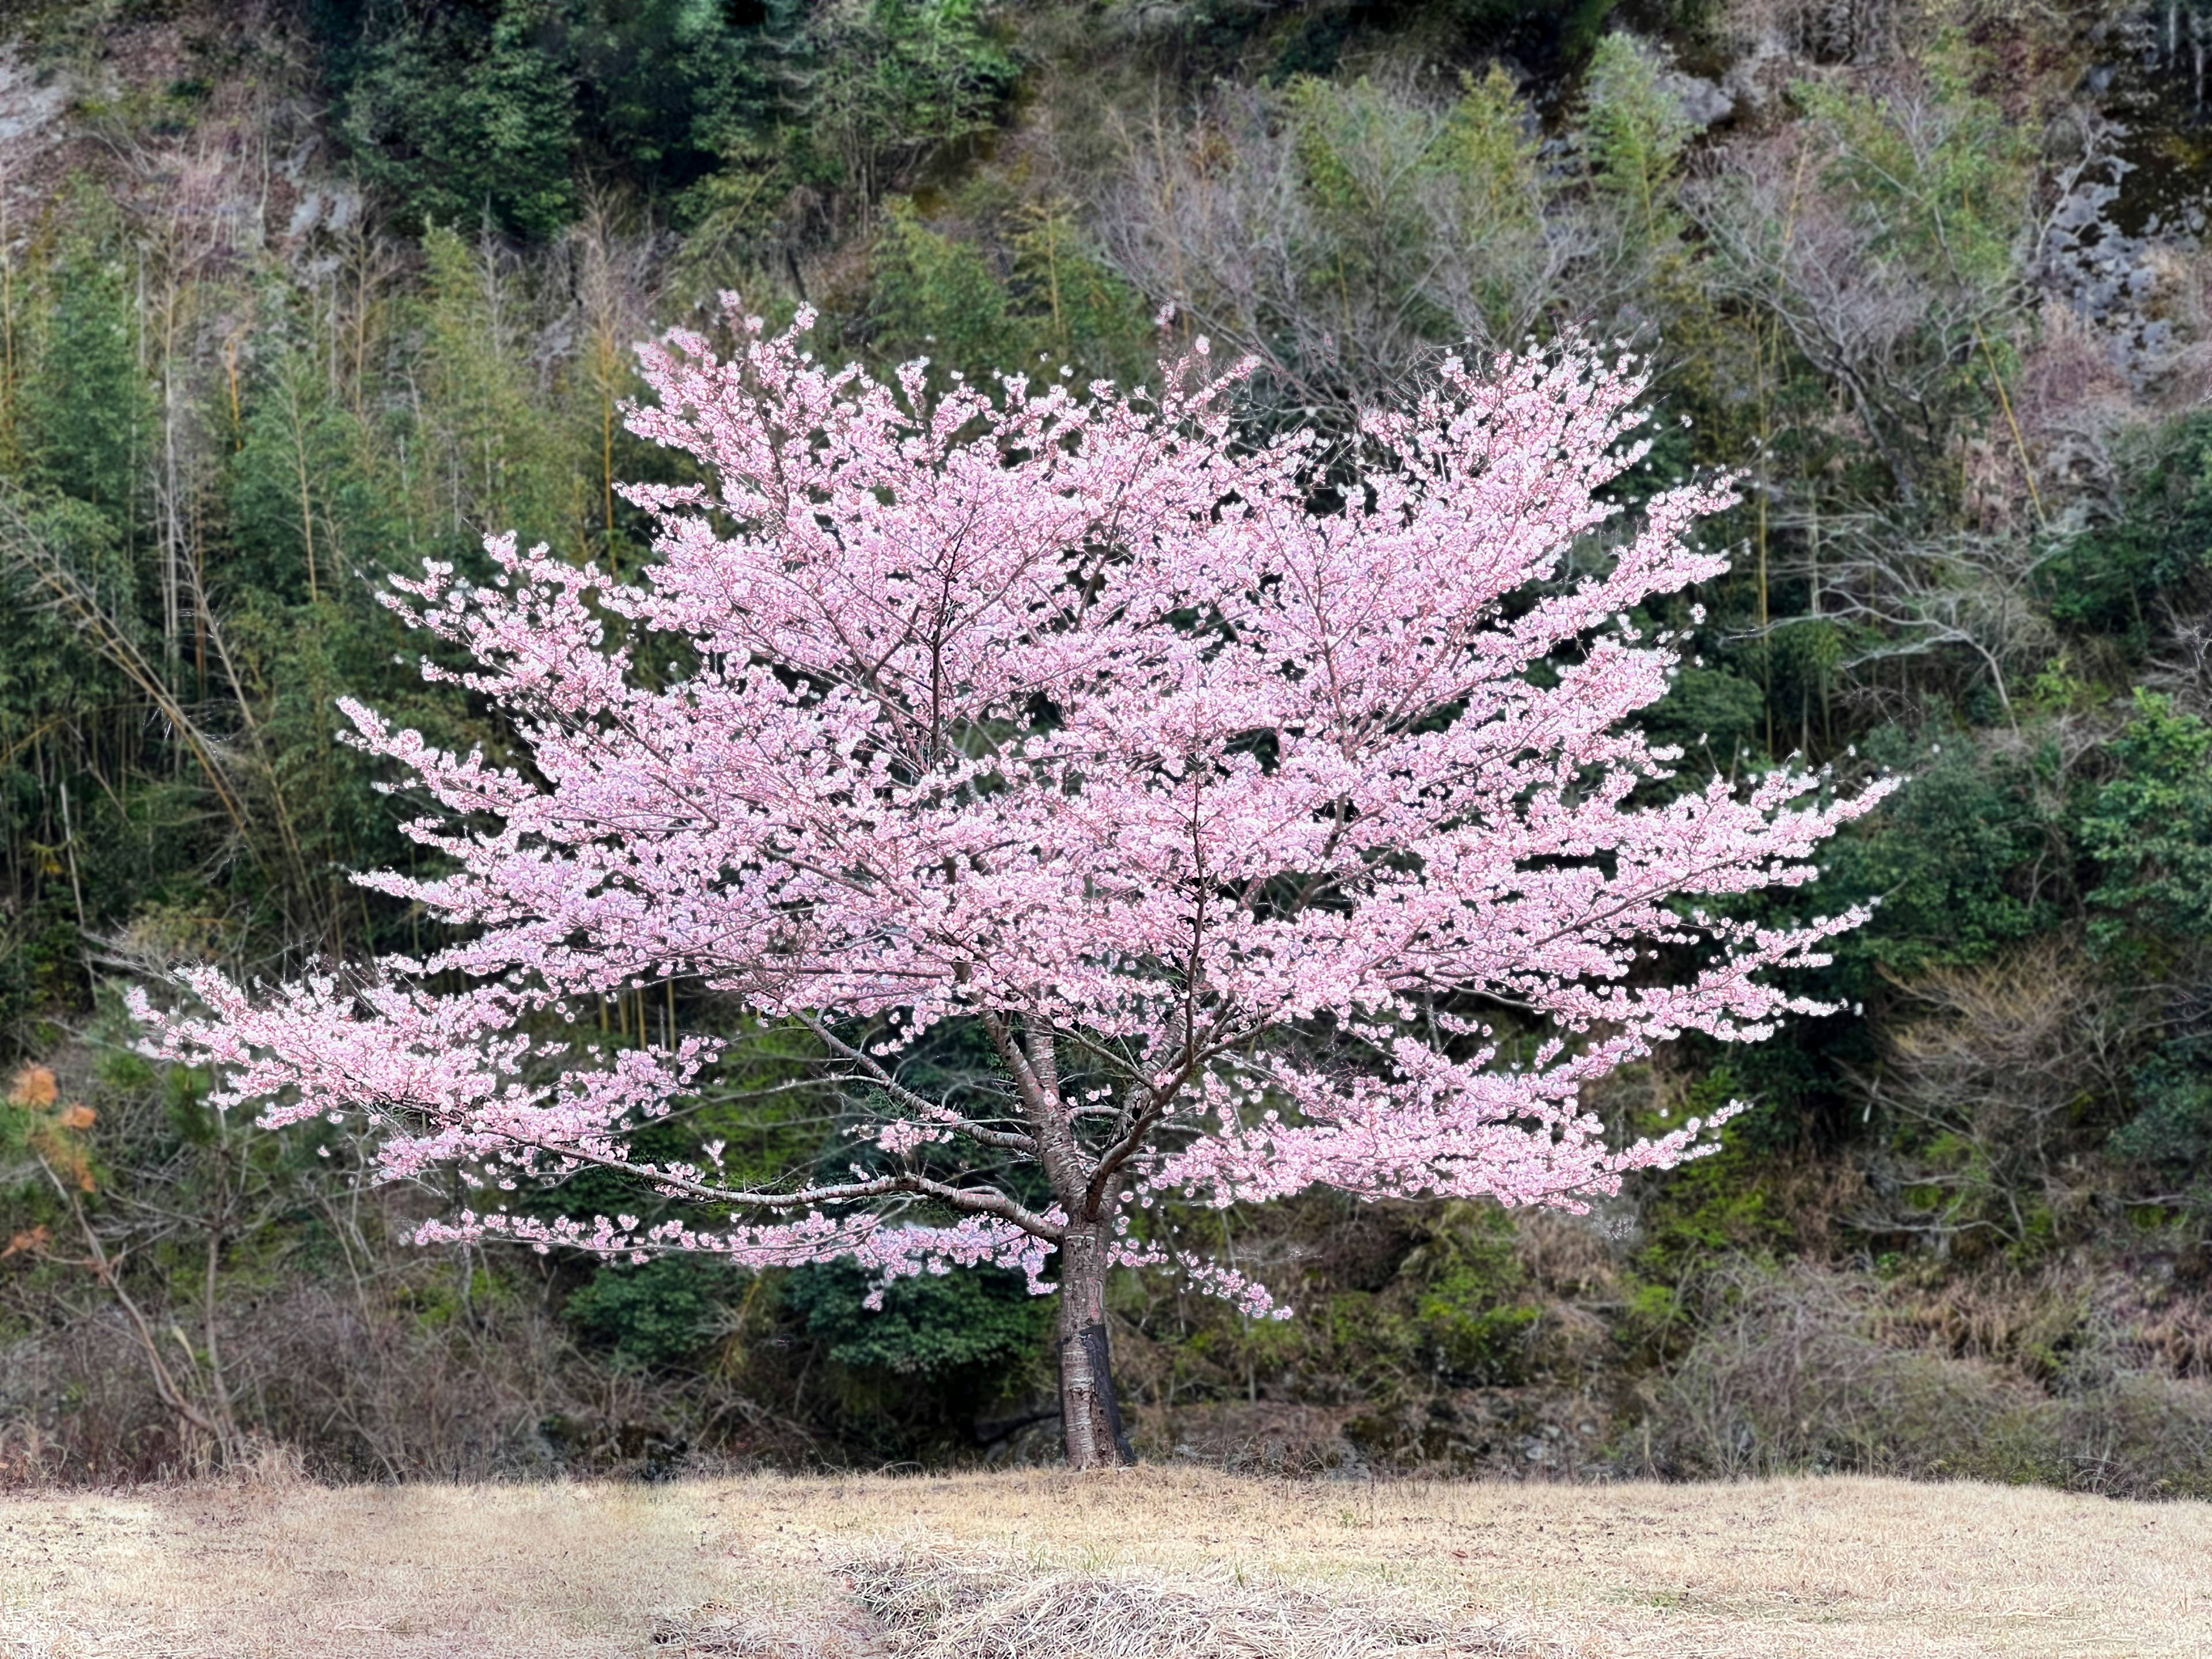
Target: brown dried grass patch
[
  {"x": 938, "y": 1605},
  {"x": 1140, "y": 1565}
]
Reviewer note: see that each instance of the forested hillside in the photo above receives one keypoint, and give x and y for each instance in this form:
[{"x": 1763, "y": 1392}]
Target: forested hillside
[{"x": 296, "y": 293}]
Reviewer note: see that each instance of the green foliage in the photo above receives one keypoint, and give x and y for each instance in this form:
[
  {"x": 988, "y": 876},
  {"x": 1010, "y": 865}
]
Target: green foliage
[
  {"x": 493, "y": 440},
  {"x": 1494, "y": 149},
  {"x": 1872, "y": 258},
  {"x": 936, "y": 297},
  {"x": 1713, "y": 714},
  {"x": 1469, "y": 1314},
  {"x": 1940, "y": 172},
  {"x": 2171, "y": 1132},
  {"x": 928, "y": 1326},
  {"x": 464, "y": 114},
  {"x": 83, "y": 411},
  {"x": 1354, "y": 144},
  {"x": 1080, "y": 314},
  {"x": 460, "y": 112},
  {"x": 889, "y": 79},
  {"x": 2151, "y": 829},
  {"x": 1037, "y": 302},
  {"x": 1414, "y": 223},
  {"x": 1938, "y": 180},
  {"x": 2110, "y": 578},
  {"x": 1635, "y": 133},
  {"x": 1948, "y": 858},
  {"x": 864, "y": 91},
  {"x": 664, "y": 87},
  {"x": 1716, "y": 1211},
  {"x": 297, "y": 496},
  {"x": 658, "y": 1314},
  {"x": 1565, "y": 29}
]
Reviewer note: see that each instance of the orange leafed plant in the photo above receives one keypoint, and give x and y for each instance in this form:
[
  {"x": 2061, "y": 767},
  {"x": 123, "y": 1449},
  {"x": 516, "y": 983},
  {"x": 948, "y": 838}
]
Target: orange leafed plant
[
  {"x": 34, "y": 1087},
  {"x": 52, "y": 1133}
]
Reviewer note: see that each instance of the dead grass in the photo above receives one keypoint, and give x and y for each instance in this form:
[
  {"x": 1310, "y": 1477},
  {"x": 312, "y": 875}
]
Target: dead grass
[
  {"x": 1142, "y": 1566},
  {"x": 933, "y": 1605}
]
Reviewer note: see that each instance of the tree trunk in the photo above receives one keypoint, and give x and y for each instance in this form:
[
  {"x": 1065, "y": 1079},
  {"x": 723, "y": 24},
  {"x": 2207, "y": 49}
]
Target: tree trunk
[{"x": 1091, "y": 1417}]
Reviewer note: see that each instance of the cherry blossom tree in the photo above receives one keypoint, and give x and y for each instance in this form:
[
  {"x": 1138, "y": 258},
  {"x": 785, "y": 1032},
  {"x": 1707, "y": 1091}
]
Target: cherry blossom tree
[{"x": 1271, "y": 815}]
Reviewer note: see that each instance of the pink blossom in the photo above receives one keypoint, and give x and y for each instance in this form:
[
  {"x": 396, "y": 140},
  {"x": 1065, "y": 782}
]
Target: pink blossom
[{"x": 1071, "y": 717}]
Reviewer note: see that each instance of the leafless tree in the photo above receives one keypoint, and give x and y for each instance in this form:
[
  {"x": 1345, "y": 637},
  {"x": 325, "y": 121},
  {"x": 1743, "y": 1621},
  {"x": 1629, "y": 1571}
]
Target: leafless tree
[
  {"x": 1990, "y": 1087},
  {"x": 1345, "y": 236}
]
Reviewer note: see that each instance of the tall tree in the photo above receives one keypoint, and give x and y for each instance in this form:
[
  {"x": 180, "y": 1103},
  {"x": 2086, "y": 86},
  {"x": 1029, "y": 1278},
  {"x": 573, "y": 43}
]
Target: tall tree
[{"x": 1261, "y": 845}]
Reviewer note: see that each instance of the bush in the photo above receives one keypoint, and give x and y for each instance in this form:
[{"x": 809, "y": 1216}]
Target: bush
[
  {"x": 1790, "y": 1379},
  {"x": 1471, "y": 1311},
  {"x": 659, "y": 1314},
  {"x": 2139, "y": 1435},
  {"x": 464, "y": 114},
  {"x": 1795, "y": 1377},
  {"x": 974, "y": 1319}
]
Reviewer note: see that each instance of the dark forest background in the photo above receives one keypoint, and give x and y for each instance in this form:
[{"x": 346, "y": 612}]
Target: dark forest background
[{"x": 295, "y": 292}]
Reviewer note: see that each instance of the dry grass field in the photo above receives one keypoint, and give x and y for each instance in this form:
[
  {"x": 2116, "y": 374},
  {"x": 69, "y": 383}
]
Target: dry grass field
[{"x": 1139, "y": 1566}]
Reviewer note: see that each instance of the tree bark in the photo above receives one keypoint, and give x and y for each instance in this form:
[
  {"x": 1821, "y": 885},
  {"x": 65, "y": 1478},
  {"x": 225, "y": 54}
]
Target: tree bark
[{"x": 1089, "y": 1415}]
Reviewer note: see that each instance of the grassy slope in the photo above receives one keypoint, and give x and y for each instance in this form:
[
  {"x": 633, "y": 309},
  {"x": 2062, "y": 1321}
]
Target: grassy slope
[{"x": 770, "y": 1566}]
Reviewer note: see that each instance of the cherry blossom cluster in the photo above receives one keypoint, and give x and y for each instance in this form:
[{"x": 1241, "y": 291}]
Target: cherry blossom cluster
[
  {"x": 1278, "y": 816},
  {"x": 891, "y": 1252}
]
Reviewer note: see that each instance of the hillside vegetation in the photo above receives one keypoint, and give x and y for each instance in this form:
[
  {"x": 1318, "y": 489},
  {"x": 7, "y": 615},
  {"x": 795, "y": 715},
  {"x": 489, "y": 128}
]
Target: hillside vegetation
[{"x": 296, "y": 293}]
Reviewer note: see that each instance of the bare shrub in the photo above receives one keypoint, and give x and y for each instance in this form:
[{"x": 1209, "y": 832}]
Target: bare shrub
[
  {"x": 1870, "y": 31},
  {"x": 1344, "y": 236},
  {"x": 1886, "y": 319},
  {"x": 1803, "y": 1371},
  {"x": 403, "y": 1381},
  {"x": 1791, "y": 1379},
  {"x": 2136, "y": 1436},
  {"x": 1991, "y": 1087},
  {"x": 2076, "y": 407},
  {"x": 1823, "y": 31}
]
